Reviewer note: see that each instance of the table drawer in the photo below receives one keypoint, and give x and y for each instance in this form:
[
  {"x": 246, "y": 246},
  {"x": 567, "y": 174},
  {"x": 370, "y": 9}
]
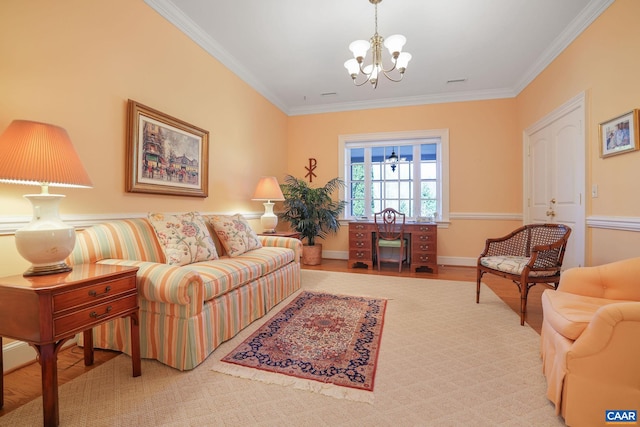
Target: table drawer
[
  {"x": 424, "y": 259},
  {"x": 85, "y": 318},
  {"x": 93, "y": 294}
]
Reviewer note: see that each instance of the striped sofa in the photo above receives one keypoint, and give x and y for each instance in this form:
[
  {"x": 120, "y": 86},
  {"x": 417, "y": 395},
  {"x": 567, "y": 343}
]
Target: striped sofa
[{"x": 187, "y": 311}]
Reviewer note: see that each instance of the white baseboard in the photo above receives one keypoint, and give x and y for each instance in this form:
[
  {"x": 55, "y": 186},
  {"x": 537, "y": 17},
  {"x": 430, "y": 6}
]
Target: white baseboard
[{"x": 17, "y": 354}]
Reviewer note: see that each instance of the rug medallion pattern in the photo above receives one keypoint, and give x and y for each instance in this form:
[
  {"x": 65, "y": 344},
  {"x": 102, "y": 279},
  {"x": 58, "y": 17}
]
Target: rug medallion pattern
[{"x": 319, "y": 336}]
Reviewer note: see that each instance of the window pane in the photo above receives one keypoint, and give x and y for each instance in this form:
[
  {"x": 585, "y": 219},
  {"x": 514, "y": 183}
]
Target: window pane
[
  {"x": 428, "y": 170},
  {"x": 405, "y": 190},
  {"x": 357, "y": 171},
  {"x": 404, "y": 170},
  {"x": 376, "y": 172},
  {"x": 429, "y": 190},
  {"x": 390, "y": 190},
  {"x": 376, "y": 190}
]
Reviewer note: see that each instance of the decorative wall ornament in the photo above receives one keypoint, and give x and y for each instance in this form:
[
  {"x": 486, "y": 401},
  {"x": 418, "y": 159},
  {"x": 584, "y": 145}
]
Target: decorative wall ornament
[{"x": 312, "y": 166}]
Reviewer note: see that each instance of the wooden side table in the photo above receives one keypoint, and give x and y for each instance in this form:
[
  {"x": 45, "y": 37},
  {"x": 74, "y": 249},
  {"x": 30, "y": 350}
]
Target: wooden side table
[
  {"x": 293, "y": 234},
  {"x": 46, "y": 311}
]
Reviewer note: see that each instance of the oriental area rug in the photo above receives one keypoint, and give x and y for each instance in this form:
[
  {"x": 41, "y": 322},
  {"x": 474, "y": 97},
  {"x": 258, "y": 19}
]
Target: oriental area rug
[{"x": 320, "y": 342}]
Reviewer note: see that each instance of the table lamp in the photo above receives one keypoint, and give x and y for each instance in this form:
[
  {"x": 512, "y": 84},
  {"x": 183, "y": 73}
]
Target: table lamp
[
  {"x": 42, "y": 154},
  {"x": 268, "y": 189}
]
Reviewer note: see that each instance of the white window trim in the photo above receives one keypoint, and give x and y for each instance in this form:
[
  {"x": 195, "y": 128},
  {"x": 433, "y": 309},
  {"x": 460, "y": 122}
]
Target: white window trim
[{"x": 442, "y": 155}]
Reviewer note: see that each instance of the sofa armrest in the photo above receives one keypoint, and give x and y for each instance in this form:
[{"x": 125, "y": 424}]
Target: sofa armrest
[
  {"x": 283, "y": 242},
  {"x": 165, "y": 283},
  {"x": 614, "y": 328}
]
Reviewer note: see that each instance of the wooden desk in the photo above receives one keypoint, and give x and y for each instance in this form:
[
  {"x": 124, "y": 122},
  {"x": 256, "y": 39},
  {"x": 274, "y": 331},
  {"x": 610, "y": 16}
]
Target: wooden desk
[
  {"x": 46, "y": 311},
  {"x": 423, "y": 244}
]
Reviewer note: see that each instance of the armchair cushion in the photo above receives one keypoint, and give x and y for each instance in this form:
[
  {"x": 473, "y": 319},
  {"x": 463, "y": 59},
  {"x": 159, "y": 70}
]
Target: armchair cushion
[
  {"x": 568, "y": 313},
  {"x": 512, "y": 265}
]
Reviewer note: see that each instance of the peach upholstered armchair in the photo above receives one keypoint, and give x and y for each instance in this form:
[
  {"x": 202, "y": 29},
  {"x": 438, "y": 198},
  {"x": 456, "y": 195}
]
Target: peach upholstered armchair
[
  {"x": 527, "y": 256},
  {"x": 590, "y": 342}
]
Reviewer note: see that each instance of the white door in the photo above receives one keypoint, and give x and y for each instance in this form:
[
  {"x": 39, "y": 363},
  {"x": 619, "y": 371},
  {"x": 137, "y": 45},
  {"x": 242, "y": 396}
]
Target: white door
[{"x": 555, "y": 175}]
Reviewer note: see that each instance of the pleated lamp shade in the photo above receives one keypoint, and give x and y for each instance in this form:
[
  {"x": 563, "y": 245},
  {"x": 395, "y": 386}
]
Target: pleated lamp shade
[{"x": 41, "y": 154}]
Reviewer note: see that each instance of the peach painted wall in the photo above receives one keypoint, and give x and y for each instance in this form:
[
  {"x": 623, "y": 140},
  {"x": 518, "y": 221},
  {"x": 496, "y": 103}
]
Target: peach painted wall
[
  {"x": 75, "y": 63},
  {"x": 485, "y": 161},
  {"x": 603, "y": 62}
]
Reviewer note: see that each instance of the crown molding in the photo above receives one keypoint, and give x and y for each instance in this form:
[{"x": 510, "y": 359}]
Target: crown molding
[{"x": 575, "y": 28}]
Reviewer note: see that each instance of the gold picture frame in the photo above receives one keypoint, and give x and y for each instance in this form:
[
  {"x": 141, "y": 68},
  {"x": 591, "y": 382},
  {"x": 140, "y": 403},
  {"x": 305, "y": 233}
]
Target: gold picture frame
[
  {"x": 165, "y": 155},
  {"x": 619, "y": 135}
]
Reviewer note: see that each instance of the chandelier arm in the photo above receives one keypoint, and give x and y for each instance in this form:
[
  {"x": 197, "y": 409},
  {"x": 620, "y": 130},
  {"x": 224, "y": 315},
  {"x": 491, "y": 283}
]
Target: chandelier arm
[{"x": 392, "y": 79}]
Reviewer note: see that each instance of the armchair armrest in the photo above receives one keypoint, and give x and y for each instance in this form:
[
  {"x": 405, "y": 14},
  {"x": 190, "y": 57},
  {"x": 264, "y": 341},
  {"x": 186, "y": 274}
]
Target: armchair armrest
[
  {"x": 165, "y": 283},
  {"x": 547, "y": 257},
  {"x": 610, "y": 341},
  {"x": 283, "y": 242}
]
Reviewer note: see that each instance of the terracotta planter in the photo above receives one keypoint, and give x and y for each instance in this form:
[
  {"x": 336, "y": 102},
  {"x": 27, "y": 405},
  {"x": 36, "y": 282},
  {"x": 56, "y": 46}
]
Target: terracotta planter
[{"x": 312, "y": 255}]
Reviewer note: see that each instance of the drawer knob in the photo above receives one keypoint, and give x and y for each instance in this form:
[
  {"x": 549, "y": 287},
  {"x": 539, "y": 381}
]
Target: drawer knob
[
  {"x": 93, "y": 293},
  {"x": 95, "y": 315},
  {"x": 359, "y": 235},
  {"x": 424, "y": 247},
  {"x": 424, "y": 237},
  {"x": 359, "y": 255},
  {"x": 359, "y": 244},
  {"x": 424, "y": 258}
]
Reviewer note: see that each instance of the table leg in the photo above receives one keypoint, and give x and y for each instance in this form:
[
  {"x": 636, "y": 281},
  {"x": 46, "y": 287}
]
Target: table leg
[
  {"x": 88, "y": 347},
  {"x": 48, "y": 364},
  {"x": 135, "y": 345},
  {"x": 1, "y": 377}
]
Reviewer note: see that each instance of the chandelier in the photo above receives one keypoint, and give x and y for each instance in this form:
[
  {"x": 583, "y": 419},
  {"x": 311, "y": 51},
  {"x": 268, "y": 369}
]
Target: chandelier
[{"x": 372, "y": 71}]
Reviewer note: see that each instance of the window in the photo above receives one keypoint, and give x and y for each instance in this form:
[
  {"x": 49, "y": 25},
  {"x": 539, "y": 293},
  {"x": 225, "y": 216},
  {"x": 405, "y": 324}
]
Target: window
[{"x": 416, "y": 185}]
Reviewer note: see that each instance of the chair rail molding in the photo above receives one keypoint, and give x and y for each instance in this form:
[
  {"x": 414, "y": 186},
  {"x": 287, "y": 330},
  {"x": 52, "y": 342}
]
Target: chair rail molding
[
  {"x": 9, "y": 224},
  {"x": 622, "y": 223}
]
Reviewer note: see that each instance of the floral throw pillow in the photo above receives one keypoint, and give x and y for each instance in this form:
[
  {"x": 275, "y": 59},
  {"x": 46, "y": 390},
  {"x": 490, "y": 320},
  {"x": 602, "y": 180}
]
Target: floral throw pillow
[
  {"x": 235, "y": 234},
  {"x": 184, "y": 238}
]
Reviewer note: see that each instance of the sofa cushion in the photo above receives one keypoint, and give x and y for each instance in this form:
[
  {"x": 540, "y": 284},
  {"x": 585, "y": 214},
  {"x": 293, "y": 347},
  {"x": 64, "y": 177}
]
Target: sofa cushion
[
  {"x": 225, "y": 274},
  {"x": 184, "y": 238},
  {"x": 569, "y": 314},
  {"x": 235, "y": 234},
  {"x": 511, "y": 265}
]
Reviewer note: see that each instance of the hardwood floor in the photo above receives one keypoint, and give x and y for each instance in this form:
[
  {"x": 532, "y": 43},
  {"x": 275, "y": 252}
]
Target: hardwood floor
[{"x": 24, "y": 384}]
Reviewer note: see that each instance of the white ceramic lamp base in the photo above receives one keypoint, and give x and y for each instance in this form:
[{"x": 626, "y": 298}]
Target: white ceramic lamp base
[
  {"x": 269, "y": 220},
  {"x": 46, "y": 241}
]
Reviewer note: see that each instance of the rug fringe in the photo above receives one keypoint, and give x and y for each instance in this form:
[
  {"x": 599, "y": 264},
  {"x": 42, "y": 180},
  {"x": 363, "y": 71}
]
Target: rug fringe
[{"x": 325, "y": 389}]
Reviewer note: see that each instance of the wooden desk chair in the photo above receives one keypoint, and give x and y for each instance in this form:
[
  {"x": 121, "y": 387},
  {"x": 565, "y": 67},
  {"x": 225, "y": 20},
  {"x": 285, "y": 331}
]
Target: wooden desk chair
[
  {"x": 390, "y": 234},
  {"x": 527, "y": 256}
]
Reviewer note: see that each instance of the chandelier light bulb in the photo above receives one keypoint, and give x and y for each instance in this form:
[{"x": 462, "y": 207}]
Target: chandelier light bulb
[
  {"x": 394, "y": 44},
  {"x": 359, "y": 49},
  {"x": 402, "y": 61}
]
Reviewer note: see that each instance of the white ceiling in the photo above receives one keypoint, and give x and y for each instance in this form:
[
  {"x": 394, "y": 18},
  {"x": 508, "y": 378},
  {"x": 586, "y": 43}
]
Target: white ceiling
[{"x": 292, "y": 51}]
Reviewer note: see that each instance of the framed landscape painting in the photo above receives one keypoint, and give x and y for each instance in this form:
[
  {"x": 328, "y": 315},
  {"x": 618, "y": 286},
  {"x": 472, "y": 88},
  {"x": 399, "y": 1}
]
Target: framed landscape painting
[
  {"x": 619, "y": 135},
  {"x": 165, "y": 155}
]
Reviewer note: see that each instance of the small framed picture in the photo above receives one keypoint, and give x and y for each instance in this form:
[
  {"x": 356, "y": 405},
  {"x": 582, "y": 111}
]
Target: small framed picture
[
  {"x": 165, "y": 155},
  {"x": 619, "y": 135}
]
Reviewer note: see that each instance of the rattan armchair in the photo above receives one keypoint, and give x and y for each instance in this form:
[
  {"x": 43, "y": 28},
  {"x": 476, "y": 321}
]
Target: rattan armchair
[{"x": 530, "y": 255}]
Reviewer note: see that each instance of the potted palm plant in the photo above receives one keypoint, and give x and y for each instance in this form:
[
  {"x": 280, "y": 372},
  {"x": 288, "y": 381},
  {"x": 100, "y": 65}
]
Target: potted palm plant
[{"x": 312, "y": 212}]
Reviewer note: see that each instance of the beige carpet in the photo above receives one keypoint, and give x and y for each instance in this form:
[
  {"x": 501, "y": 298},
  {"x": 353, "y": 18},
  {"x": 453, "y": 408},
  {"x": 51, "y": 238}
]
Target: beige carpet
[{"x": 444, "y": 361}]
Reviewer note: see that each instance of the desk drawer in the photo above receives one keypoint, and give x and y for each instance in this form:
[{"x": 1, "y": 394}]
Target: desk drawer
[
  {"x": 93, "y": 315},
  {"x": 421, "y": 247},
  {"x": 359, "y": 255},
  {"x": 93, "y": 294}
]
